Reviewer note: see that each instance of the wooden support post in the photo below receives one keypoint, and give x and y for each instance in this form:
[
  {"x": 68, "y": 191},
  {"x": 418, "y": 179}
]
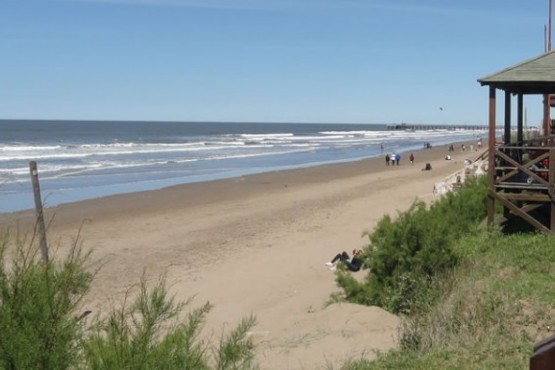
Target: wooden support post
[
  {"x": 551, "y": 181},
  {"x": 507, "y": 117},
  {"x": 491, "y": 157},
  {"x": 520, "y": 120},
  {"x": 40, "y": 228},
  {"x": 546, "y": 116},
  {"x": 507, "y": 138}
]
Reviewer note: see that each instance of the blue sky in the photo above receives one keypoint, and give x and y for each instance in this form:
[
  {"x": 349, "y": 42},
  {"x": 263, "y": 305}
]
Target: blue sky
[{"x": 352, "y": 61}]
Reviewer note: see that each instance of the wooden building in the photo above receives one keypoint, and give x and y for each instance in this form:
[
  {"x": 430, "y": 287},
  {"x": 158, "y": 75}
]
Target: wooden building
[{"x": 521, "y": 173}]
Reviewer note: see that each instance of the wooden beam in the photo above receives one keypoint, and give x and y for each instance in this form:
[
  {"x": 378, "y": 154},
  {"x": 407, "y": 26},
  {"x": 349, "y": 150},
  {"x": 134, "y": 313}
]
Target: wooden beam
[
  {"x": 527, "y": 208},
  {"x": 507, "y": 117},
  {"x": 520, "y": 119},
  {"x": 490, "y": 204},
  {"x": 525, "y": 197},
  {"x": 551, "y": 187},
  {"x": 525, "y": 216},
  {"x": 546, "y": 116},
  {"x": 512, "y": 168},
  {"x": 531, "y": 207}
]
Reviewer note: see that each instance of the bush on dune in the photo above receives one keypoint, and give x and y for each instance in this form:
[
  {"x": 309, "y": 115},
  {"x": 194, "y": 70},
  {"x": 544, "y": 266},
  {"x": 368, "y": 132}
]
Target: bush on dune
[
  {"x": 408, "y": 253},
  {"x": 41, "y": 327},
  {"x": 38, "y": 322},
  {"x": 147, "y": 335}
]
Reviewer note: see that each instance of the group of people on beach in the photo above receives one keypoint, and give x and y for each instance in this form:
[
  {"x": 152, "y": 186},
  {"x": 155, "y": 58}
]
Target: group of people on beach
[
  {"x": 395, "y": 159},
  {"x": 472, "y": 147}
]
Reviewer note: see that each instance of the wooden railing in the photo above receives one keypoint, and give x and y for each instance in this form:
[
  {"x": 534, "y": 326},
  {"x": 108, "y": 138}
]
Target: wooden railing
[
  {"x": 524, "y": 180},
  {"x": 524, "y": 167}
]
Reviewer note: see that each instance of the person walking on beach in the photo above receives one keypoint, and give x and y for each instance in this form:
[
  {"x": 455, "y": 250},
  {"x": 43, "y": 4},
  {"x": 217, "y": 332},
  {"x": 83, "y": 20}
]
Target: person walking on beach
[
  {"x": 411, "y": 159},
  {"x": 387, "y": 159},
  {"x": 352, "y": 263},
  {"x": 397, "y": 158}
]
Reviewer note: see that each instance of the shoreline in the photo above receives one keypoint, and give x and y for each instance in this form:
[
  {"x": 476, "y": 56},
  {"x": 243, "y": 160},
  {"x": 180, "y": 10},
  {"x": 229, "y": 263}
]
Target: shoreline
[
  {"x": 341, "y": 169},
  {"x": 254, "y": 244}
]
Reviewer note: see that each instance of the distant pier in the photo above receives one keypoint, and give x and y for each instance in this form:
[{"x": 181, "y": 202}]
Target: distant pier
[{"x": 415, "y": 127}]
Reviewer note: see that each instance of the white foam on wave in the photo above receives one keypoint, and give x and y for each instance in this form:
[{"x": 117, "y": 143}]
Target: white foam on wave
[
  {"x": 318, "y": 138},
  {"x": 114, "y": 166},
  {"x": 225, "y": 143},
  {"x": 23, "y": 148},
  {"x": 250, "y": 155},
  {"x": 55, "y": 171},
  {"x": 361, "y": 132},
  {"x": 108, "y": 151},
  {"x": 250, "y": 136}
]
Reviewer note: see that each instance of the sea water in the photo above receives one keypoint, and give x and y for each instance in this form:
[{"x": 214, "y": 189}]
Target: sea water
[{"x": 80, "y": 160}]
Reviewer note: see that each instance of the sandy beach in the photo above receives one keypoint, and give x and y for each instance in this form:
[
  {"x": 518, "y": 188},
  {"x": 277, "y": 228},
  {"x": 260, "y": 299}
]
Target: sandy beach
[{"x": 256, "y": 245}]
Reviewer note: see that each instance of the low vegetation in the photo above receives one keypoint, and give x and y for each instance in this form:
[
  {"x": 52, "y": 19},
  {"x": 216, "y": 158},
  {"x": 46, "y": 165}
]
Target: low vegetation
[
  {"x": 408, "y": 254},
  {"x": 42, "y": 328},
  {"x": 469, "y": 298}
]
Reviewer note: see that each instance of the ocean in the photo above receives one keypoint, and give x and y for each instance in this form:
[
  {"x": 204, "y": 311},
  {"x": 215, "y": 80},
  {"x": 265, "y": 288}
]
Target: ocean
[{"x": 80, "y": 160}]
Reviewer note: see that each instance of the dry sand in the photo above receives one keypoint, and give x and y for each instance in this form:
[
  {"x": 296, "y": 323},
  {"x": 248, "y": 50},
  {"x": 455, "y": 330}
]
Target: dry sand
[{"x": 256, "y": 245}]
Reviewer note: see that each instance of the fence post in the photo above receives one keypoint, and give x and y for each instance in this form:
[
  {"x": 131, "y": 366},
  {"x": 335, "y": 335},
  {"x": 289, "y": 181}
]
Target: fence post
[
  {"x": 551, "y": 188},
  {"x": 38, "y": 207}
]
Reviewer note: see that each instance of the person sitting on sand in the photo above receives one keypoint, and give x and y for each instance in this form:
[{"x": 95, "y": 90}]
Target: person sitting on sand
[{"x": 353, "y": 264}]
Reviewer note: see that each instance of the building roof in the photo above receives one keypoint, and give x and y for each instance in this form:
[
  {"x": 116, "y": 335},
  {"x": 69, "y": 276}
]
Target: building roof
[{"x": 534, "y": 76}]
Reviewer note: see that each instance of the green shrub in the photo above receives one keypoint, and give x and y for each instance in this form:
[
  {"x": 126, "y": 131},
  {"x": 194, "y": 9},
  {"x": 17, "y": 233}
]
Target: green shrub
[
  {"x": 40, "y": 327},
  {"x": 39, "y": 324},
  {"x": 406, "y": 254},
  {"x": 147, "y": 335}
]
